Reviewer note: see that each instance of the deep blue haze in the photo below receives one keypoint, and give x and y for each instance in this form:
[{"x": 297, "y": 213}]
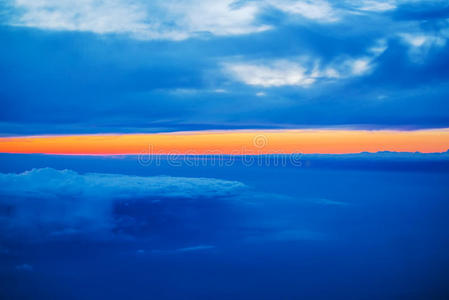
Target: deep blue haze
[{"x": 331, "y": 228}]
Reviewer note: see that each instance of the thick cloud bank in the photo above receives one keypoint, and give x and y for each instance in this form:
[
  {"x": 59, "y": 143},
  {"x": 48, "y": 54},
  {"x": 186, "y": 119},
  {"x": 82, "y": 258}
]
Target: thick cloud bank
[
  {"x": 49, "y": 182},
  {"x": 44, "y": 203}
]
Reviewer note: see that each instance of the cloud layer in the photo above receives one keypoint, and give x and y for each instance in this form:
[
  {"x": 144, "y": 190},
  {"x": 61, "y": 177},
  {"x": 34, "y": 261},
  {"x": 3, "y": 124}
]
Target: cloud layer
[
  {"x": 304, "y": 71},
  {"x": 49, "y": 205},
  {"x": 173, "y": 20},
  {"x": 45, "y": 203},
  {"x": 178, "y": 20},
  {"x": 291, "y": 73}
]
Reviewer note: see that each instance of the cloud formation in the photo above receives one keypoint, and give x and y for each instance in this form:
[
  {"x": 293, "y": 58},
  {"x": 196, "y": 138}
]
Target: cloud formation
[
  {"x": 375, "y": 5},
  {"x": 318, "y": 10},
  {"x": 55, "y": 203},
  {"x": 420, "y": 42},
  {"x": 52, "y": 183},
  {"x": 100, "y": 17},
  {"x": 177, "y": 213},
  {"x": 173, "y": 20},
  {"x": 303, "y": 71}
]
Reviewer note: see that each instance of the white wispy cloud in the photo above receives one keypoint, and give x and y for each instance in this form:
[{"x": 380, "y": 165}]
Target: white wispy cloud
[
  {"x": 421, "y": 43},
  {"x": 376, "y": 6},
  {"x": 175, "y": 20},
  {"x": 271, "y": 74},
  {"x": 113, "y": 16},
  {"x": 423, "y": 40},
  {"x": 331, "y": 11},
  {"x": 168, "y": 19},
  {"x": 303, "y": 71},
  {"x": 222, "y": 17},
  {"x": 359, "y": 66},
  {"x": 318, "y": 10},
  {"x": 178, "y": 19}
]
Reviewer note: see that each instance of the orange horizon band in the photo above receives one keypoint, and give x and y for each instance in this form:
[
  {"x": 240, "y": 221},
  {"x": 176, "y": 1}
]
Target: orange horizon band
[{"x": 234, "y": 142}]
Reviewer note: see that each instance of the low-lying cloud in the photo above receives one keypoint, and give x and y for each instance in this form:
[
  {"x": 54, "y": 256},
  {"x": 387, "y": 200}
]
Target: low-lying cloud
[
  {"x": 46, "y": 204},
  {"x": 54, "y": 203}
]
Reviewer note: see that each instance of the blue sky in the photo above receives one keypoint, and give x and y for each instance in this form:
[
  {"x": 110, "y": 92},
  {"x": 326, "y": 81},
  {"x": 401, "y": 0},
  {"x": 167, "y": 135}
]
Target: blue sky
[{"x": 140, "y": 66}]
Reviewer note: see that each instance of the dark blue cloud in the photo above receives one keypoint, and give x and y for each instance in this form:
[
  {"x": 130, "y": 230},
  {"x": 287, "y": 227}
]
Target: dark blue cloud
[{"x": 46, "y": 203}]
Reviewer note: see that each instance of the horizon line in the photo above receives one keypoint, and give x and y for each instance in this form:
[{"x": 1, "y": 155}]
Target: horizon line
[{"x": 233, "y": 142}]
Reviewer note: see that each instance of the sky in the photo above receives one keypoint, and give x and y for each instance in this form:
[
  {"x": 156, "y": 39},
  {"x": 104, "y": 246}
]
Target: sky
[
  {"x": 351, "y": 97},
  {"x": 125, "y": 66}
]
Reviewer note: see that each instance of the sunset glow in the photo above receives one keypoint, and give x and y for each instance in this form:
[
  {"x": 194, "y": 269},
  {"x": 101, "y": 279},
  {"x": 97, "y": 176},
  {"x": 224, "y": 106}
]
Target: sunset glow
[{"x": 234, "y": 142}]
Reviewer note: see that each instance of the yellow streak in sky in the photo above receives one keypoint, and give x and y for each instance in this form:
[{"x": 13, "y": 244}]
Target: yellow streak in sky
[{"x": 235, "y": 142}]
